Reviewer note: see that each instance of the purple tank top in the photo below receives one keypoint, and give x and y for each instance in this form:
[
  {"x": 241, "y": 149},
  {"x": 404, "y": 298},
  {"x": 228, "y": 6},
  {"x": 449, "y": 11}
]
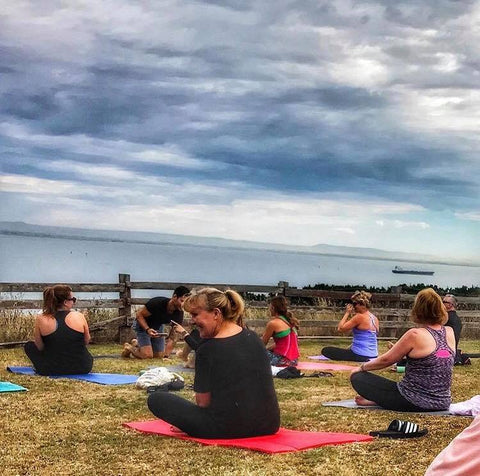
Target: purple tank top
[{"x": 428, "y": 379}]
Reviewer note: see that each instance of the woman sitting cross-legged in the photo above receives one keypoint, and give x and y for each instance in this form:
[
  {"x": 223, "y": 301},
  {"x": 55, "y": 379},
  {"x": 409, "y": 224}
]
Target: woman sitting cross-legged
[
  {"x": 234, "y": 392},
  {"x": 61, "y": 336},
  {"x": 364, "y": 326},
  {"x": 430, "y": 352},
  {"x": 283, "y": 328}
]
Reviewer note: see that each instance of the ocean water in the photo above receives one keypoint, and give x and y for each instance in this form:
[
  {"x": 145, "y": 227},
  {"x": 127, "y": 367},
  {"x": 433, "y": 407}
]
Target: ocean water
[{"x": 40, "y": 259}]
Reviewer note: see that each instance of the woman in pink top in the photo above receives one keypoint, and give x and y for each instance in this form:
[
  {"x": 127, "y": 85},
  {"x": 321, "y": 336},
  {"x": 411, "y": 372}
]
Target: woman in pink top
[{"x": 283, "y": 328}]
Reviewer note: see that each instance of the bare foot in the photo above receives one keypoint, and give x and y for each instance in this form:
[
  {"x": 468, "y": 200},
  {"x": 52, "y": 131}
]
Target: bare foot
[
  {"x": 363, "y": 402},
  {"x": 127, "y": 350}
]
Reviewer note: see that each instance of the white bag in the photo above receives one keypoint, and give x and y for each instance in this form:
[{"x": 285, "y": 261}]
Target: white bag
[{"x": 157, "y": 376}]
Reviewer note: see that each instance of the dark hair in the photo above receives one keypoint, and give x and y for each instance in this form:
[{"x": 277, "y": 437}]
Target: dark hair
[
  {"x": 54, "y": 296},
  {"x": 229, "y": 302},
  {"x": 180, "y": 291},
  {"x": 280, "y": 306},
  {"x": 428, "y": 308}
]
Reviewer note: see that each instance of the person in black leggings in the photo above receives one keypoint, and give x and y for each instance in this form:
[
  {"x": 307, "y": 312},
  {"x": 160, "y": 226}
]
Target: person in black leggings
[
  {"x": 234, "y": 392},
  {"x": 61, "y": 336},
  {"x": 429, "y": 350},
  {"x": 364, "y": 326}
]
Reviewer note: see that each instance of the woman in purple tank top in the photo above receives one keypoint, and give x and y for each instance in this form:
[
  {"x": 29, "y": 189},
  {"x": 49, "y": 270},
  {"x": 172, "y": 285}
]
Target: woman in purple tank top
[{"x": 429, "y": 350}]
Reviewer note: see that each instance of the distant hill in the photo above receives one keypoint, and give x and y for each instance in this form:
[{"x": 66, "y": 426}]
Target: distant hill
[{"x": 26, "y": 229}]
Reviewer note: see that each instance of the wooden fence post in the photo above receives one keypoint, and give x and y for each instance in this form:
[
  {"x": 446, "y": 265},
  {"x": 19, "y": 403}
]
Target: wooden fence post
[
  {"x": 284, "y": 286},
  {"x": 126, "y": 297}
]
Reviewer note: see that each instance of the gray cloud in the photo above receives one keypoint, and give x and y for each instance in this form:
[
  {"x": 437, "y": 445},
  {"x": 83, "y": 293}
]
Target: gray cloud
[{"x": 309, "y": 97}]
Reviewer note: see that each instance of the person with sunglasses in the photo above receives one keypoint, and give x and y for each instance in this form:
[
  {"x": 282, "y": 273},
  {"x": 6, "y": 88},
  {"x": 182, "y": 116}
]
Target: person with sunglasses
[
  {"x": 61, "y": 336},
  {"x": 364, "y": 326}
]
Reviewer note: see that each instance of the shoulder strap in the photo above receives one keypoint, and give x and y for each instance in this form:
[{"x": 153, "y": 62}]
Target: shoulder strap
[
  {"x": 372, "y": 321},
  {"x": 282, "y": 333},
  {"x": 292, "y": 327}
]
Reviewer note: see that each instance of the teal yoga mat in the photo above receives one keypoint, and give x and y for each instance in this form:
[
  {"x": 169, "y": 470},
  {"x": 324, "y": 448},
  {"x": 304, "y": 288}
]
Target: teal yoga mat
[{"x": 11, "y": 387}]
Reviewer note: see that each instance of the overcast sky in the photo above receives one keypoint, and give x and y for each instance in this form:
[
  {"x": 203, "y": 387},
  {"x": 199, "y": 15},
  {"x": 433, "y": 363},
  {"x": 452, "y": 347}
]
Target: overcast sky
[{"x": 302, "y": 122}]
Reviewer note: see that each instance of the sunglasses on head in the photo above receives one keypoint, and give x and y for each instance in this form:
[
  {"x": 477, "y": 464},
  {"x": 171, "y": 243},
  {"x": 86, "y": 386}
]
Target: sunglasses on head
[{"x": 73, "y": 299}]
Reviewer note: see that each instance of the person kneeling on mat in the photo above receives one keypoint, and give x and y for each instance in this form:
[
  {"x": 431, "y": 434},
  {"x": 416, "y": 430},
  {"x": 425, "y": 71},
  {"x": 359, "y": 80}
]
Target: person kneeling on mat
[
  {"x": 234, "y": 392},
  {"x": 429, "y": 351}
]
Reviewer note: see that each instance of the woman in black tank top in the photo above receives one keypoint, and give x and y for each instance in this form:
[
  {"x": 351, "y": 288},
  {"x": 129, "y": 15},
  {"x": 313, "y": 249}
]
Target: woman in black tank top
[{"x": 60, "y": 336}]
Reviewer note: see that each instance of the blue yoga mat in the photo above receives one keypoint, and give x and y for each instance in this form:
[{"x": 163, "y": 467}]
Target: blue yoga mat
[
  {"x": 11, "y": 387},
  {"x": 102, "y": 379}
]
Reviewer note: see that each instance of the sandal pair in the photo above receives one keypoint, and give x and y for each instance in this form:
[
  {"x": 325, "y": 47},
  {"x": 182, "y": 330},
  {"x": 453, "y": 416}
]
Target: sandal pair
[{"x": 400, "y": 429}]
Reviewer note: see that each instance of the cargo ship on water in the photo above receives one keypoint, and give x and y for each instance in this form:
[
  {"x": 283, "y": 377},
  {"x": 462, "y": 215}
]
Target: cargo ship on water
[{"x": 399, "y": 270}]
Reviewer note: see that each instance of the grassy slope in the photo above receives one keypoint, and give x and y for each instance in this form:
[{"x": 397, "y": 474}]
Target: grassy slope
[{"x": 68, "y": 427}]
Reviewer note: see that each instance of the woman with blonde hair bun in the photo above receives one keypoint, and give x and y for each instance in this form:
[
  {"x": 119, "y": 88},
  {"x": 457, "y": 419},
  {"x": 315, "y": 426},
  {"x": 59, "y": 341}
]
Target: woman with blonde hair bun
[
  {"x": 61, "y": 336},
  {"x": 364, "y": 326},
  {"x": 234, "y": 392}
]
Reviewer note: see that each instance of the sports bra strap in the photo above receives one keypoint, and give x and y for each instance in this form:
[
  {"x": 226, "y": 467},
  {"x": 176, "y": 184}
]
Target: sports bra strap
[
  {"x": 282, "y": 333},
  {"x": 286, "y": 331}
]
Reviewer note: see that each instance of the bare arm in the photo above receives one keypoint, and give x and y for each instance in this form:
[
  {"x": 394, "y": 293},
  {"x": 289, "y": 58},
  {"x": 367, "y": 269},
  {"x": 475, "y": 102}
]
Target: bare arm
[
  {"x": 345, "y": 324},
  {"x": 141, "y": 315},
  {"x": 86, "y": 332},
  {"x": 203, "y": 399},
  {"x": 269, "y": 331},
  {"x": 37, "y": 337}
]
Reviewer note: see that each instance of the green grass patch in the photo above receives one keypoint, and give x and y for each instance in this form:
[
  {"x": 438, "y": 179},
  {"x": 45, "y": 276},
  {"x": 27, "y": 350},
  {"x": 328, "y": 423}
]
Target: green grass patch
[{"x": 70, "y": 427}]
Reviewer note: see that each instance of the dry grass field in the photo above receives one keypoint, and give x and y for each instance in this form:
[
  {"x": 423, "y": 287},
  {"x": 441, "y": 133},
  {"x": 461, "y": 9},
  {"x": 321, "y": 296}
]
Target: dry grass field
[{"x": 65, "y": 427}]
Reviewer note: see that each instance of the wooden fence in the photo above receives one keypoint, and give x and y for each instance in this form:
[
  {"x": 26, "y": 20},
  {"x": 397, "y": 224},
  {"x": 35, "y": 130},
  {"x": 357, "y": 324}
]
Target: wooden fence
[{"x": 391, "y": 308}]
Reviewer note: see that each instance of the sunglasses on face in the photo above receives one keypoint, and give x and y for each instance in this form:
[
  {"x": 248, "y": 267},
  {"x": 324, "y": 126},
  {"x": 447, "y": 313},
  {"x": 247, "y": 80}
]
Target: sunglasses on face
[
  {"x": 446, "y": 302},
  {"x": 73, "y": 299}
]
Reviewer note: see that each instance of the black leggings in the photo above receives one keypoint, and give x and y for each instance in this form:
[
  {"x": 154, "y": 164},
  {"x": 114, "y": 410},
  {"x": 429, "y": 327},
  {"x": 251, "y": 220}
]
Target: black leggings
[
  {"x": 188, "y": 417},
  {"x": 383, "y": 392},
  {"x": 336, "y": 353},
  {"x": 45, "y": 366}
]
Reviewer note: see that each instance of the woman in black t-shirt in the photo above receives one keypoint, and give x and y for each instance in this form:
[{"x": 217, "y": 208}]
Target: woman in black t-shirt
[{"x": 234, "y": 392}]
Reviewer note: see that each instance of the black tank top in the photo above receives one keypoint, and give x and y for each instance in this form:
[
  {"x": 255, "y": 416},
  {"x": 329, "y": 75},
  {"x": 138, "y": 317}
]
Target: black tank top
[{"x": 65, "y": 349}]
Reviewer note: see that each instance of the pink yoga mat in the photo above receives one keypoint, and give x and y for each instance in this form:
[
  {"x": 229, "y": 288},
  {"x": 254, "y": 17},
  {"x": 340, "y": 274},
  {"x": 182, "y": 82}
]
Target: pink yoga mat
[
  {"x": 323, "y": 366},
  {"x": 284, "y": 441}
]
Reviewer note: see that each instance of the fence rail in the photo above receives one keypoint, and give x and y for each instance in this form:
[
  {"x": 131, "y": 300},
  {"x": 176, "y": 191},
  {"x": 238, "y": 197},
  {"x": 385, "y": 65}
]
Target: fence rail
[{"x": 392, "y": 307}]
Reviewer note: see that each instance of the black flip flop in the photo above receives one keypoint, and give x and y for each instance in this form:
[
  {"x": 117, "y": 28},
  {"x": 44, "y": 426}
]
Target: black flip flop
[
  {"x": 320, "y": 374},
  {"x": 400, "y": 429}
]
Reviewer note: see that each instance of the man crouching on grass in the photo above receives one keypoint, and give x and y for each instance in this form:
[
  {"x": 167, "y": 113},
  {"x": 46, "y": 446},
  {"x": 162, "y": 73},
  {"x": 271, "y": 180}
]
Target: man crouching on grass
[{"x": 149, "y": 326}]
